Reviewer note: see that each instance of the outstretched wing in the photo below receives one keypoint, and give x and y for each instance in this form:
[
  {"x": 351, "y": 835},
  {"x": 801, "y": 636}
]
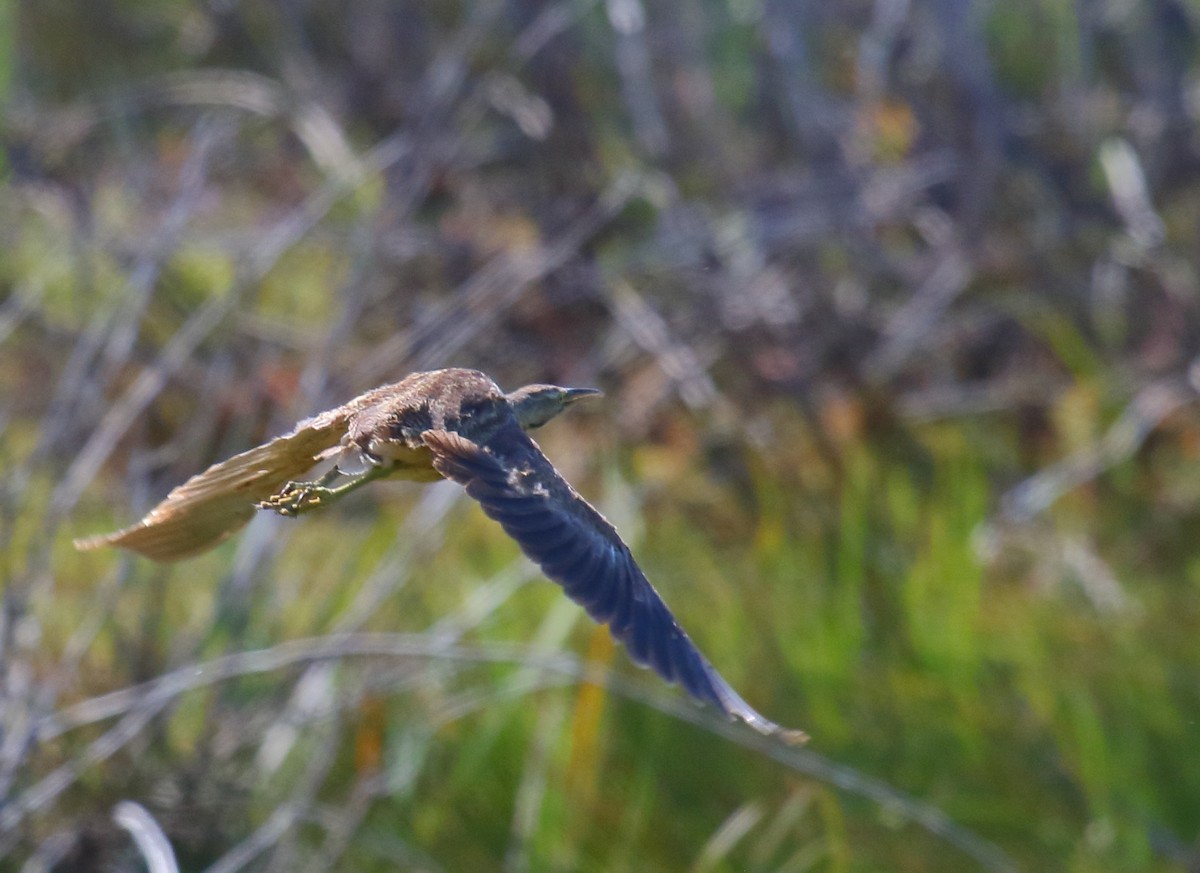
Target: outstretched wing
[
  {"x": 211, "y": 505},
  {"x": 576, "y": 547}
]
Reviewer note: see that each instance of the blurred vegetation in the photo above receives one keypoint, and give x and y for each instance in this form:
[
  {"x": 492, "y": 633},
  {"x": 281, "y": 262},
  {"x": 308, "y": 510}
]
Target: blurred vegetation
[{"x": 895, "y": 306}]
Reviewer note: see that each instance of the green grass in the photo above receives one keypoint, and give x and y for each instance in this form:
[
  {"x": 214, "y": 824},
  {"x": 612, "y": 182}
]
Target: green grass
[{"x": 999, "y": 695}]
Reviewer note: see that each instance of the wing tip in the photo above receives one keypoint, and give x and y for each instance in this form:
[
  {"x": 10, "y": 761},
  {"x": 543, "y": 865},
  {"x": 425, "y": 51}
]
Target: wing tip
[
  {"x": 746, "y": 714},
  {"x": 121, "y": 539},
  {"x": 789, "y": 736},
  {"x": 97, "y": 541},
  {"x": 793, "y": 736},
  {"x": 151, "y": 542},
  {"x": 737, "y": 709}
]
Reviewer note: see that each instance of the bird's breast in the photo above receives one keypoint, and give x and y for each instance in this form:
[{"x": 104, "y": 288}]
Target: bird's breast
[{"x": 415, "y": 464}]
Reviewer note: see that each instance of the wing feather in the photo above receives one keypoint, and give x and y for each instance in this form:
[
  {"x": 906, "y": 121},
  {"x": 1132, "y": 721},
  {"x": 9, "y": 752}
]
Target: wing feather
[
  {"x": 576, "y": 547},
  {"x": 212, "y": 505}
]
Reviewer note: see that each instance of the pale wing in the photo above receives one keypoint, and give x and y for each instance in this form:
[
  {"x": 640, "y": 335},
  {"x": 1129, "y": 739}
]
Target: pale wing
[
  {"x": 577, "y": 548},
  {"x": 211, "y": 505}
]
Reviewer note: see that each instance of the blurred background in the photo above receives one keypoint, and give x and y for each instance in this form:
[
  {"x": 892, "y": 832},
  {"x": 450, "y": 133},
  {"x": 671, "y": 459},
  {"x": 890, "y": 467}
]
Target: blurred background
[{"x": 895, "y": 305}]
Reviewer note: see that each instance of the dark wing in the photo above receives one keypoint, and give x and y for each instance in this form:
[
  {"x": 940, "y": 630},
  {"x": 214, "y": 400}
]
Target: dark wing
[
  {"x": 211, "y": 505},
  {"x": 576, "y": 547}
]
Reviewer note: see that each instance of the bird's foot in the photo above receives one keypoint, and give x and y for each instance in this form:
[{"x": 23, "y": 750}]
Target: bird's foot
[{"x": 295, "y": 498}]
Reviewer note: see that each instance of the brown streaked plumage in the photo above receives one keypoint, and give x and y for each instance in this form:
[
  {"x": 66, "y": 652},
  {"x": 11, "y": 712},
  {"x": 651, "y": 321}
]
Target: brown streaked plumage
[{"x": 456, "y": 424}]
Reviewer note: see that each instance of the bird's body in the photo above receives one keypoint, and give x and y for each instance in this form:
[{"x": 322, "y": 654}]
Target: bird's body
[
  {"x": 459, "y": 425},
  {"x": 387, "y": 423}
]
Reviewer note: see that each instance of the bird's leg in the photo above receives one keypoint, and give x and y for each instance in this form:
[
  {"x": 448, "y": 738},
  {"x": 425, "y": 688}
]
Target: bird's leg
[{"x": 297, "y": 497}]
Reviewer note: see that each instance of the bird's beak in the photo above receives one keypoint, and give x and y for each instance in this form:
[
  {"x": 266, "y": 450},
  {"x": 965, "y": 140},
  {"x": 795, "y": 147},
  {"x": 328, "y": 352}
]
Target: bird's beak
[{"x": 573, "y": 394}]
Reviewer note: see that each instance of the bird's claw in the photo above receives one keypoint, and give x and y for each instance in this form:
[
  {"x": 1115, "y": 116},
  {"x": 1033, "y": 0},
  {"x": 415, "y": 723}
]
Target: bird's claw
[{"x": 295, "y": 498}]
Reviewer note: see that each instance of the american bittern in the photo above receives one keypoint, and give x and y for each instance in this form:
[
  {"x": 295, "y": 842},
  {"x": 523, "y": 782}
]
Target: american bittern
[{"x": 459, "y": 425}]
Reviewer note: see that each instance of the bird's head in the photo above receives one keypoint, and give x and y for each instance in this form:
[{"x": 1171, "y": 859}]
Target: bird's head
[{"x": 535, "y": 405}]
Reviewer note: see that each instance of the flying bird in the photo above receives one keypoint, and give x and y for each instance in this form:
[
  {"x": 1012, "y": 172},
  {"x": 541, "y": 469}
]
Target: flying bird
[{"x": 455, "y": 424}]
